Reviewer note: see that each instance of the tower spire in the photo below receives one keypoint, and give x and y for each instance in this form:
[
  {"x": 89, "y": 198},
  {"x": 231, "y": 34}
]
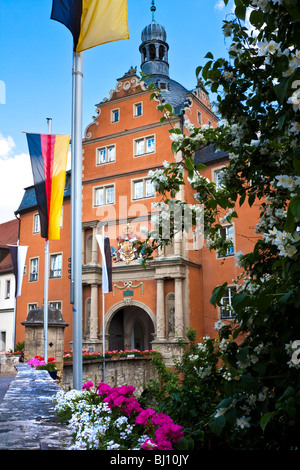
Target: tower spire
[{"x": 153, "y": 9}]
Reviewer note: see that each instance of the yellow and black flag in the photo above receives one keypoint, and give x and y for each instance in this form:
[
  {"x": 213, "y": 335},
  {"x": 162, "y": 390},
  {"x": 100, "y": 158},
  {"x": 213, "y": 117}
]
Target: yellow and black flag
[{"x": 92, "y": 22}]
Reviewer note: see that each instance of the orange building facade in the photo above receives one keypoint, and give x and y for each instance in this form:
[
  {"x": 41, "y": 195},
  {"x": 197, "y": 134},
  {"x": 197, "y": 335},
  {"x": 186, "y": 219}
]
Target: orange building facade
[{"x": 147, "y": 308}]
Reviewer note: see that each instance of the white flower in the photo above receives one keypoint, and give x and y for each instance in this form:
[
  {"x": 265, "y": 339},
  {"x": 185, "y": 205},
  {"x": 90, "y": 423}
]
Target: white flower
[
  {"x": 295, "y": 127},
  {"x": 220, "y": 412},
  {"x": 243, "y": 422},
  {"x": 295, "y": 101},
  {"x": 227, "y": 75},
  {"x": 189, "y": 126},
  {"x": 290, "y": 251},
  {"x": 238, "y": 257},
  {"x": 219, "y": 325}
]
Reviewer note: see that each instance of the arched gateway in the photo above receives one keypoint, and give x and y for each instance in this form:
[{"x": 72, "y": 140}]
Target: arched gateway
[{"x": 129, "y": 326}]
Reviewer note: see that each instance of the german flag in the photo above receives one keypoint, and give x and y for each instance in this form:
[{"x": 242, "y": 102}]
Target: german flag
[
  {"x": 92, "y": 22},
  {"x": 48, "y": 156}
]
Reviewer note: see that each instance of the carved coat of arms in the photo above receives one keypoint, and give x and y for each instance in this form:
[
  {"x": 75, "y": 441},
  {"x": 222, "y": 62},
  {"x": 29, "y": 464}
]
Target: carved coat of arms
[{"x": 126, "y": 250}]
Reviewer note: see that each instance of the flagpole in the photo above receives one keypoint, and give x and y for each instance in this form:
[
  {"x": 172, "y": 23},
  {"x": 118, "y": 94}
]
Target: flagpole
[
  {"x": 46, "y": 282},
  {"x": 76, "y": 219},
  {"x": 15, "y": 310},
  {"x": 103, "y": 310}
]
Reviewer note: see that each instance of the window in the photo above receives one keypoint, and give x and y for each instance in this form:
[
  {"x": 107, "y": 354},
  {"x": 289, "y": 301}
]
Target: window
[
  {"x": 32, "y": 306},
  {"x": 137, "y": 109},
  {"x": 7, "y": 289},
  {"x": 199, "y": 118},
  {"x": 217, "y": 175},
  {"x": 228, "y": 233},
  {"x": 209, "y": 123},
  {"x": 142, "y": 188},
  {"x": 55, "y": 266},
  {"x": 106, "y": 154},
  {"x": 36, "y": 223},
  {"x": 226, "y": 303},
  {"x": 115, "y": 115},
  {"x": 34, "y": 269},
  {"x": 2, "y": 341},
  {"x": 144, "y": 145},
  {"x": 104, "y": 195},
  {"x": 56, "y": 305}
]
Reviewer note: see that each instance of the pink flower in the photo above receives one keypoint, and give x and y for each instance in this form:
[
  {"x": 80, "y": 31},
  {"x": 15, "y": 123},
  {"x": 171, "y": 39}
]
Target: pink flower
[
  {"x": 87, "y": 385},
  {"x": 149, "y": 444},
  {"x": 142, "y": 418}
]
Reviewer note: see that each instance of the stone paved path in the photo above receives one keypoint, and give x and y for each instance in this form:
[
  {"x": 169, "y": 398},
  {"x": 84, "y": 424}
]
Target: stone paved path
[{"x": 27, "y": 417}]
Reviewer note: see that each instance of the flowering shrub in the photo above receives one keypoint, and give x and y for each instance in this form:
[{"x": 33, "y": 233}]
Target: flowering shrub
[
  {"x": 107, "y": 418},
  {"x": 38, "y": 362},
  {"x": 258, "y": 100}
]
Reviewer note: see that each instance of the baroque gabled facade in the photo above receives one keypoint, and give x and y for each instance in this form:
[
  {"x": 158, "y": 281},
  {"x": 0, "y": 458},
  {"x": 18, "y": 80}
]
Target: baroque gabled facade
[{"x": 147, "y": 308}]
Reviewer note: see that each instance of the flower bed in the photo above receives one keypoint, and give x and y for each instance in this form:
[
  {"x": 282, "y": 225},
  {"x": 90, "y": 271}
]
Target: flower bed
[
  {"x": 108, "y": 418},
  {"x": 68, "y": 355}
]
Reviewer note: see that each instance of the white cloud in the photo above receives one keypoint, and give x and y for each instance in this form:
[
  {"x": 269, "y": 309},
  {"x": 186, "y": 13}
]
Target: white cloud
[
  {"x": 219, "y": 5},
  {"x": 15, "y": 175},
  {"x": 6, "y": 146}
]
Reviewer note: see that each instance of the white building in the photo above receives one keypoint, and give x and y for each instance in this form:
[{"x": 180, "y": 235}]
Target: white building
[{"x": 8, "y": 235}]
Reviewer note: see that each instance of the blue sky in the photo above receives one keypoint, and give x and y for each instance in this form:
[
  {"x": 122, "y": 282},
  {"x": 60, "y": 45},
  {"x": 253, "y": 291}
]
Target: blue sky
[{"x": 36, "y": 71}]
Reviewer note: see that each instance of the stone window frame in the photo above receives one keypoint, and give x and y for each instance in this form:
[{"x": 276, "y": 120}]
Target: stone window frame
[
  {"x": 34, "y": 304},
  {"x": 36, "y": 223},
  {"x": 115, "y": 110},
  {"x": 56, "y": 302},
  {"x": 144, "y": 138},
  {"x": 138, "y": 180},
  {"x": 229, "y": 288},
  {"x": 135, "y": 106},
  {"x": 7, "y": 292},
  {"x": 233, "y": 248},
  {"x": 104, "y": 187},
  {"x": 30, "y": 269},
  {"x": 199, "y": 118},
  {"x": 106, "y": 148},
  {"x": 59, "y": 253},
  {"x": 214, "y": 172}
]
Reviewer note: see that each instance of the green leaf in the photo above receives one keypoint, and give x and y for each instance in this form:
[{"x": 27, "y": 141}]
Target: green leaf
[
  {"x": 281, "y": 89},
  {"x": 217, "y": 424},
  {"x": 239, "y": 301},
  {"x": 206, "y": 69},
  {"x": 168, "y": 107},
  {"x": 266, "y": 418},
  {"x": 296, "y": 159},
  {"x": 217, "y": 294},
  {"x": 198, "y": 70},
  {"x": 289, "y": 225},
  {"x": 240, "y": 10},
  {"x": 295, "y": 206},
  {"x": 189, "y": 163},
  {"x": 200, "y": 166},
  {"x": 257, "y": 18},
  {"x": 209, "y": 56}
]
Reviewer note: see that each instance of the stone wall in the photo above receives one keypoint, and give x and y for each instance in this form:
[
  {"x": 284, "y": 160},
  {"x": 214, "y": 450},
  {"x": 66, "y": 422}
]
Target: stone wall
[
  {"x": 135, "y": 371},
  {"x": 8, "y": 363}
]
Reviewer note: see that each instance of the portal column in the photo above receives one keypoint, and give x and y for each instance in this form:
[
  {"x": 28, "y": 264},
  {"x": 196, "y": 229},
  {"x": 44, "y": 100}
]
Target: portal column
[
  {"x": 94, "y": 247},
  {"x": 160, "y": 310},
  {"x": 179, "y": 322},
  {"x": 94, "y": 312}
]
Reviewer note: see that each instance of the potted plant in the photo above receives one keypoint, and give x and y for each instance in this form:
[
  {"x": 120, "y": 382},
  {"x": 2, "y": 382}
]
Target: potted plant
[{"x": 39, "y": 363}]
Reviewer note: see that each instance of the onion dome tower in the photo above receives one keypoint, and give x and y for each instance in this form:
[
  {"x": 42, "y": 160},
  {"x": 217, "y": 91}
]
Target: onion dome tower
[
  {"x": 154, "y": 48},
  {"x": 154, "y": 61}
]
